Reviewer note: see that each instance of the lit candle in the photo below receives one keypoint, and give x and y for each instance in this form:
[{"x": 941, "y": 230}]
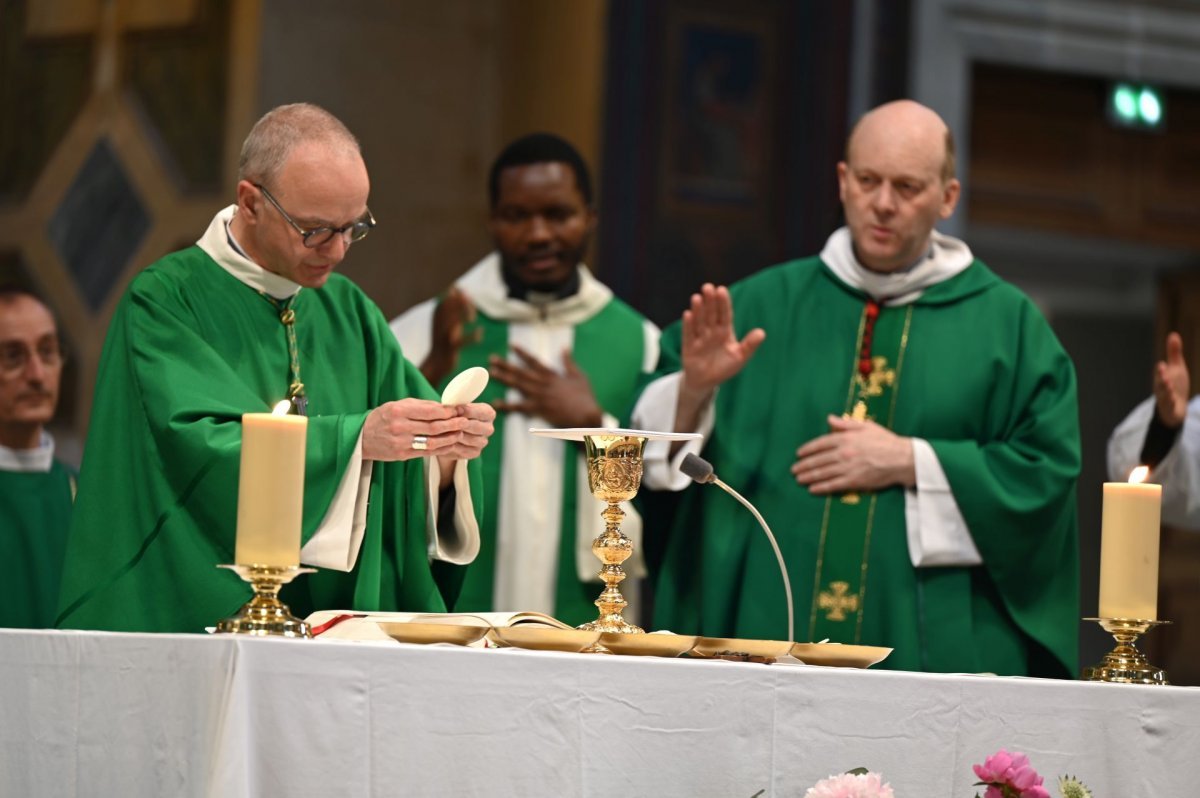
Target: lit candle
[
  {"x": 271, "y": 488},
  {"x": 1129, "y": 548}
]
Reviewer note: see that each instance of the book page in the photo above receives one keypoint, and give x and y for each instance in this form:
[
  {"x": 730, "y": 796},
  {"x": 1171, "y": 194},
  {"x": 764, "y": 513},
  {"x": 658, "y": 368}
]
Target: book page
[{"x": 351, "y": 625}]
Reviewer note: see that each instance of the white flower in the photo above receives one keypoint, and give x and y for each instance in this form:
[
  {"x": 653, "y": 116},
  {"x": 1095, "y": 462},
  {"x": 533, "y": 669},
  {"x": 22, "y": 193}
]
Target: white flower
[
  {"x": 851, "y": 785},
  {"x": 1070, "y": 787}
]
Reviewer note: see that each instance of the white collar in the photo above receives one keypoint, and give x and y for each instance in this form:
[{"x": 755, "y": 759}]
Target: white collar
[
  {"x": 36, "y": 460},
  {"x": 947, "y": 257},
  {"x": 484, "y": 285},
  {"x": 221, "y": 246}
]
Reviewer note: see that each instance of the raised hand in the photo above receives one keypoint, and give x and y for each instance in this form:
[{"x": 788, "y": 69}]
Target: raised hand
[
  {"x": 711, "y": 351},
  {"x": 1172, "y": 385},
  {"x": 854, "y": 455},
  {"x": 563, "y": 400},
  {"x": 450, "y": 319}
]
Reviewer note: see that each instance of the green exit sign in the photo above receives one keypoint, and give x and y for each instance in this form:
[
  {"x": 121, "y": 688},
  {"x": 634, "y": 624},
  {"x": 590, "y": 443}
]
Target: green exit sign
[{"x": 1136, "y": 105}]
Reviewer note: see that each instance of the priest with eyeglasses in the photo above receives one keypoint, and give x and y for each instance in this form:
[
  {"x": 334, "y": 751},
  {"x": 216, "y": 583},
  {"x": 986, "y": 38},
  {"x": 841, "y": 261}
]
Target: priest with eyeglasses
[
  {"x": 250, "y": 315},
  {"x": 36, "y": 488}
]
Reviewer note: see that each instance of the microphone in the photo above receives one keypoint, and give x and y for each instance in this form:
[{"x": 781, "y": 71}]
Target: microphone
[{"x": 701, "y": 471}]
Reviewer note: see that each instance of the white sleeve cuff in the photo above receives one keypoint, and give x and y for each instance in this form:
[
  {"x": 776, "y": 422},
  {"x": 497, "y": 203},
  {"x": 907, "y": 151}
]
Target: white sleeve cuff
[
  {"x": 655, "y": 410},
  {"x": 937, "y": 531},
  {"x": 1179, "y": 476},
  {"x": 458, "y": 543},
  {"x": 337, "y": 540}
]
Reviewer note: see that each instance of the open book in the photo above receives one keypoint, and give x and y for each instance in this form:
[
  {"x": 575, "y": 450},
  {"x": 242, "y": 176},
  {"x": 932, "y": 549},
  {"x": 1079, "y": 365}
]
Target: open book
[{"x": 351, "y": 625}]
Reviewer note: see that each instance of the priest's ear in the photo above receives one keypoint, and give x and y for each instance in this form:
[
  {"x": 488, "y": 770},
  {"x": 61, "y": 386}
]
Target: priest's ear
[
  {"x": 951, "y": 189},
  {"x": 249, "y": 200}
]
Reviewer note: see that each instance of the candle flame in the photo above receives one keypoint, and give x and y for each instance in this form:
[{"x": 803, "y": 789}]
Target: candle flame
[
  {"x": 281, "y": 409},
  {"x": 1139, "y": 474}
]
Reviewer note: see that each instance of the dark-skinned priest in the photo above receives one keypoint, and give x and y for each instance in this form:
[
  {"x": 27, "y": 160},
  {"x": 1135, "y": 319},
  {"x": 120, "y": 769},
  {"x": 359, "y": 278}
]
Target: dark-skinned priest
[
  {"x": 252, "y": 314},
  {"x": 563, "y": 351},
  {"x": 904, "y": 419}
]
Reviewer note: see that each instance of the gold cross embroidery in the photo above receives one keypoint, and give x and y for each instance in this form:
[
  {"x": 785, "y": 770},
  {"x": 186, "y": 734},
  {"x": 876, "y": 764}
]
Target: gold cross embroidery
[
  {"x": 870, "y": 386},
  {"x": 836, "y": 601},
  {"x": 880, "y": 377}
]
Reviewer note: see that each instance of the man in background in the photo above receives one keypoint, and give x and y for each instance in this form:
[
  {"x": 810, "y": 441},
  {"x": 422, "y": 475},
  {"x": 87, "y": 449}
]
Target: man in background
[
  {"x": 36, "y": 489},
  {"x": 905, "y": 419},
  {"x": 250, "y": 315},
  {"x": 1163, "y": 433},
  {"x": 562, "y": 352}
]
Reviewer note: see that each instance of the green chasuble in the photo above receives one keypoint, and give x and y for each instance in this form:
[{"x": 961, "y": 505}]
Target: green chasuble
[
  {"x": 190, "y": 349},
  {"x": 971, "y": 367},
  {"x": 610, "y": 348},
  {"x": 35, "y": 511}
]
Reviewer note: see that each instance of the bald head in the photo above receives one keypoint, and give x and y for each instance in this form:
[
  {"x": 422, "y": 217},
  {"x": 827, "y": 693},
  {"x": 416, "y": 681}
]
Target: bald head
[
  {"x": 896, "y": 183},
  {"x": 281, "y": 130},
  {"x": 915, "y": 128}
]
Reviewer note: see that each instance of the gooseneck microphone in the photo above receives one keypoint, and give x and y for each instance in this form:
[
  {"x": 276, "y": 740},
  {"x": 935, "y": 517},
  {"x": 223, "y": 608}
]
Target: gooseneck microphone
[{"x": 701, "y": 471}]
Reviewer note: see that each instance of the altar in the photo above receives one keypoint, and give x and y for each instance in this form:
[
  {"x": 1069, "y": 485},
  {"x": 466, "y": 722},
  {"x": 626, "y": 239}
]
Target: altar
[{"x": 104, "y": 714}]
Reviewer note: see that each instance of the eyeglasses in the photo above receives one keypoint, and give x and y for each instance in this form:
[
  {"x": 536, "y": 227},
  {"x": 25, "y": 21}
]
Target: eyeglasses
[
  {"x": 318, "y": 236},
  {"x": 15, "y": 356}
]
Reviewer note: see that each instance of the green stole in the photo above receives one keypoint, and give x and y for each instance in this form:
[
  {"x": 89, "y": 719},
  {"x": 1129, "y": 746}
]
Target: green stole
[
  {"x": 841, "y": 576},
  {"x": 609, "y": 348}
]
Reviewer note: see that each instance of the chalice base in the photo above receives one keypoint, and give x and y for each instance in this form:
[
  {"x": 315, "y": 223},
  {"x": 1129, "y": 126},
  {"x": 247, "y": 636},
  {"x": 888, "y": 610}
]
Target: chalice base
[
  {"x": 1125, "y": 664},
  {"x": 612, "y": 623},
  {"x": 265, "y": 615}
]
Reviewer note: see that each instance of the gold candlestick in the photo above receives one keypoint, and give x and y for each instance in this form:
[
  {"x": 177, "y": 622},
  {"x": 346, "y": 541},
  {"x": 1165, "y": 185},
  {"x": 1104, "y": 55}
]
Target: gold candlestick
[
  {"x": 1125, "y": 664},
  {"x": 265, "y": 614},
  {"x": 614, "y": 475}
]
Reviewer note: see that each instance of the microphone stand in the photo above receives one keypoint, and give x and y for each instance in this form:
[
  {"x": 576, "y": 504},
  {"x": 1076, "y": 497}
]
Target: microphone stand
[{"x": 787, "y": 583}]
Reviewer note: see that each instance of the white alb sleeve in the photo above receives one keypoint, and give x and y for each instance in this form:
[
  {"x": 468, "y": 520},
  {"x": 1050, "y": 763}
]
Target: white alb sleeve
[
  {"x": 655, "y": 410},
  {"x": 337, "y": 540},
  {"x": 937, "y": 531}
]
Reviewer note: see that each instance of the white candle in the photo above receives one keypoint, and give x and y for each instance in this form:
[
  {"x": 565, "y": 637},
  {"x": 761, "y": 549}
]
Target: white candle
[
  {"x": 271, "y": 488},
  {"x": 1129, "y": 548}
]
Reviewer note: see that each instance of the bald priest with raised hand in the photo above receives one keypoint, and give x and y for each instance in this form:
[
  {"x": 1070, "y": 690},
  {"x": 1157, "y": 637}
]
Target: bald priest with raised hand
[
  {"x": 251, "y": 314},
  {"x": 905, "y": 420}
]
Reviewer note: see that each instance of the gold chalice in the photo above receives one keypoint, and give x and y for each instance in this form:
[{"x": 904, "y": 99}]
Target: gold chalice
[
  {"x": 265, "y": 614},
  {"x": 1125, "y": 664},
  {"x": 614, "y": 463}
]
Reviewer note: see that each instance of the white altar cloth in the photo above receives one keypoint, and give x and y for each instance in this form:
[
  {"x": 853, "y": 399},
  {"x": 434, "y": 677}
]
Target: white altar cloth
[{"x": 96, "y": 714}]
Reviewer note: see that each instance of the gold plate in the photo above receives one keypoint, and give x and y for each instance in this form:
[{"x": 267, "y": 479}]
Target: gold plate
[
  {"x": 650, "y": 645},
  {"x": 543, "y": 638},
  {"x": 838, "y": 655},
  {"x": 732, "y": 646},
  {"x": 579, "y": 433},
  {"x": 459, "y": 634}
]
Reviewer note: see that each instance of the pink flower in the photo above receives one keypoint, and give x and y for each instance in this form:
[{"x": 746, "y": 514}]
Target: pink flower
[
  {"x": 1010, "y": 776},
  {"x": 1024, "y": 778},
  {"x": 851, "y": 785},
  {"x": 1000, "y": 766}
]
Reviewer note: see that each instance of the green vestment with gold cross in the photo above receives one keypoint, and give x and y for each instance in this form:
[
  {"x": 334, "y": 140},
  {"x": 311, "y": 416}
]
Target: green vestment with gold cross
[{"x": 971, "y": 367}]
